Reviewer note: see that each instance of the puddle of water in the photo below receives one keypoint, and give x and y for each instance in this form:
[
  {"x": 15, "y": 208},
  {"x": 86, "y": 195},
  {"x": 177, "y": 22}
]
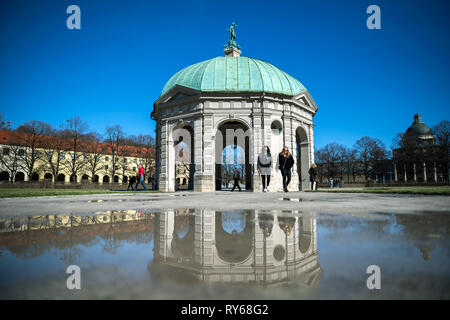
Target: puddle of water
[{"x": 207, "y": 254}]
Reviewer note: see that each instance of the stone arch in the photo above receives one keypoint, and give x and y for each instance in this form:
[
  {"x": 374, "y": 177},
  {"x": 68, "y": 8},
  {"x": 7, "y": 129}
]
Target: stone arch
[
  {"x": 61, "y": 178},
  {"x": 96, "y": 179},
  {"x": 106, "y": 179},
  {"x": 19, "y": 177},
  {"x": 304, "y": 234},
  {"x": 238, "y": 119},
  {"x": 4, "y": 176},
  {"x": 237, "y": 246},
  {"x": 73, "y": 178},
  {"x": 302, "y": 157},
  {"x": 125, "y": 179},
  {"x": 84, "y": 178},
  {"x": 183, "y": 236},
  {"x": 241, "y": 139},
  {"x": 180, "y": 154},
  {"x": 116, "y": 179},
  {"x": 48, "y": 176},
  {"x": 35, "y": 177}
]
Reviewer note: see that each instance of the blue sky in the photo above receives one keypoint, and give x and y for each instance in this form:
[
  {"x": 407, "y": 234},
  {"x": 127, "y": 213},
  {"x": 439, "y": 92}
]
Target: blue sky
[{"x": 365, "y": 82}]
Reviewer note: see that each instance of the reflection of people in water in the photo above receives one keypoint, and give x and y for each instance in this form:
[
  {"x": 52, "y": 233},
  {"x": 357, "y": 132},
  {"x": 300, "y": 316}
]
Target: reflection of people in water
[
  {"x": 266, "y": 223},
  {"x": 286, "y": 224}
]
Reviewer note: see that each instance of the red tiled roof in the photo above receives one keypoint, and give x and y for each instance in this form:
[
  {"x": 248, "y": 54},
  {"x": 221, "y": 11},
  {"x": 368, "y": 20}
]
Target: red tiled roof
[{"x": 19, "y": 139}]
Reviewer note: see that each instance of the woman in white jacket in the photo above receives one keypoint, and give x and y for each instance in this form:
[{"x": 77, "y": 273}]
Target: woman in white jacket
[{"x": 265, "y": 167}]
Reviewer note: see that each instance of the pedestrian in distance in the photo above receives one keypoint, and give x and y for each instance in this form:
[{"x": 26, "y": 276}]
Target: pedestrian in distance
[
  {"x": 236, "y": 179},
  {"x": 265, "y": 167},
  {"x": 140, "y": 178},
  {"x": 131, "y": 182},
  {"x": 285, "y": 164}
]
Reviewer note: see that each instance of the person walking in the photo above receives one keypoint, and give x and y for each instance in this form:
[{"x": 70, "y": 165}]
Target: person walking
[
  {"x": 331, "y": 183},
  {"x": 236, "y": 179},
  {"x": 140, "y": 178},
  {"x": 265, "y": 167},
  {"x": 131, "y": 183},
  {"x": 313, "y": 176},
  {"x": 285, "y": 164}
]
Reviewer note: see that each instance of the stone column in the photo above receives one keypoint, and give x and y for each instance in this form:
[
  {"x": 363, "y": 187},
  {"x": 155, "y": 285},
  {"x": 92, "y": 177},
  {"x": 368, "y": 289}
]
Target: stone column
[
  {"x": 163, "y": 174},
  {"x": 257, "y": 146},
  {"x": 395, "y": 172},
  {"x": 424, "y": 172},
  {"x": 435, "y": 172},
  {"x": 166, "y": 226},
  {"x": 200, "y": 181},
  {"x": 209, "y": 157}
]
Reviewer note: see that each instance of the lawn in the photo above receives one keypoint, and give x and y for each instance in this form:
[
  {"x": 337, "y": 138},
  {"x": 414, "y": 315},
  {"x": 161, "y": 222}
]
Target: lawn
[
  {"x": 34, "y": 192},
  {"x": 438, "y": 190}
]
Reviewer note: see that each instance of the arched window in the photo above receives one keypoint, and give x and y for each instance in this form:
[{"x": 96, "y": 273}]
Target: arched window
[
  {"x": 106, "y": 179},
  {"x": 35, "y": 176},
  {"x": 20, "y": 176},
  {"x": 4, "y": 176}
]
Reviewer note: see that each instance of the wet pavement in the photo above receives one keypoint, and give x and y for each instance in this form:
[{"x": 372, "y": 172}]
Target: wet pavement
[{"x": 231, "y": 254}]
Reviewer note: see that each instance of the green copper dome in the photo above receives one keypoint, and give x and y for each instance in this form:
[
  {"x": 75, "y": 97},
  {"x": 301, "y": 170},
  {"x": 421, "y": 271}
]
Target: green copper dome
[{"x": 235, "y": 74}]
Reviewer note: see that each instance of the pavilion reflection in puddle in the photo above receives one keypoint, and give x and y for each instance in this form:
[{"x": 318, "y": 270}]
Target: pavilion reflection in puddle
[
  {"x": 253, "y": 246},
  {"x": 267, "y": 247}
]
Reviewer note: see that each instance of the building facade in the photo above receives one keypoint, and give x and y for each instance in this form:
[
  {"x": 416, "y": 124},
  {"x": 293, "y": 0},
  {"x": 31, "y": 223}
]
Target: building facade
[
  {"x": 232, "y": 102},
  {"x": 93, "y": 163},
  {"x": 419, "y": 159}
]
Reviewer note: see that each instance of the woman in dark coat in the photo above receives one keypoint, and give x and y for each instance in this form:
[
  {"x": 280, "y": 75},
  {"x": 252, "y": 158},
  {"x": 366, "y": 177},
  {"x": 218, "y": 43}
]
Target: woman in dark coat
[
  {"x": 285, "y": 164},
  {"x": 313, "y": 176}
]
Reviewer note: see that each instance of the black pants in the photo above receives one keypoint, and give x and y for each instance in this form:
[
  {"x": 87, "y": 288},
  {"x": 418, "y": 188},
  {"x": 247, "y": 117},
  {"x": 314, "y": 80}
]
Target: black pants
[
  {"x": 286, "y": 177},
  {"x": 131, "y": 184},
  {"x": 263, "y": 177},
  {"x": 236, "y": 184}
]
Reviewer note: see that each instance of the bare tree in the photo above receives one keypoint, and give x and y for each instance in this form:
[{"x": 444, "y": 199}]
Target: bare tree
[
  {"x": 33, "y": 133},
  {"x": 144, "y": 147},
  {"x": 350, "y": 158},
  {"x": 371, "y": 153},
  {"x": 441, "y": 132},
  {"x": 114, "y": 140},
  {"x": 4, "y": 125},
  {"x": 330, "y": 159},
  {"x": 11, "y": 159},
  {"x": 73, "y": 131},
  {"x": 95, "y": 149},
  {"x": 54, "y": 155}
]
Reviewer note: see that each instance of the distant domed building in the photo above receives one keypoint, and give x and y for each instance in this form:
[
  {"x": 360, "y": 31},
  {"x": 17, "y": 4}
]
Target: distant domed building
[
  {"x": 230, "y": 107},
  {"x": 419, "y": 133},
  {"x": 417, "y": 160}
]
